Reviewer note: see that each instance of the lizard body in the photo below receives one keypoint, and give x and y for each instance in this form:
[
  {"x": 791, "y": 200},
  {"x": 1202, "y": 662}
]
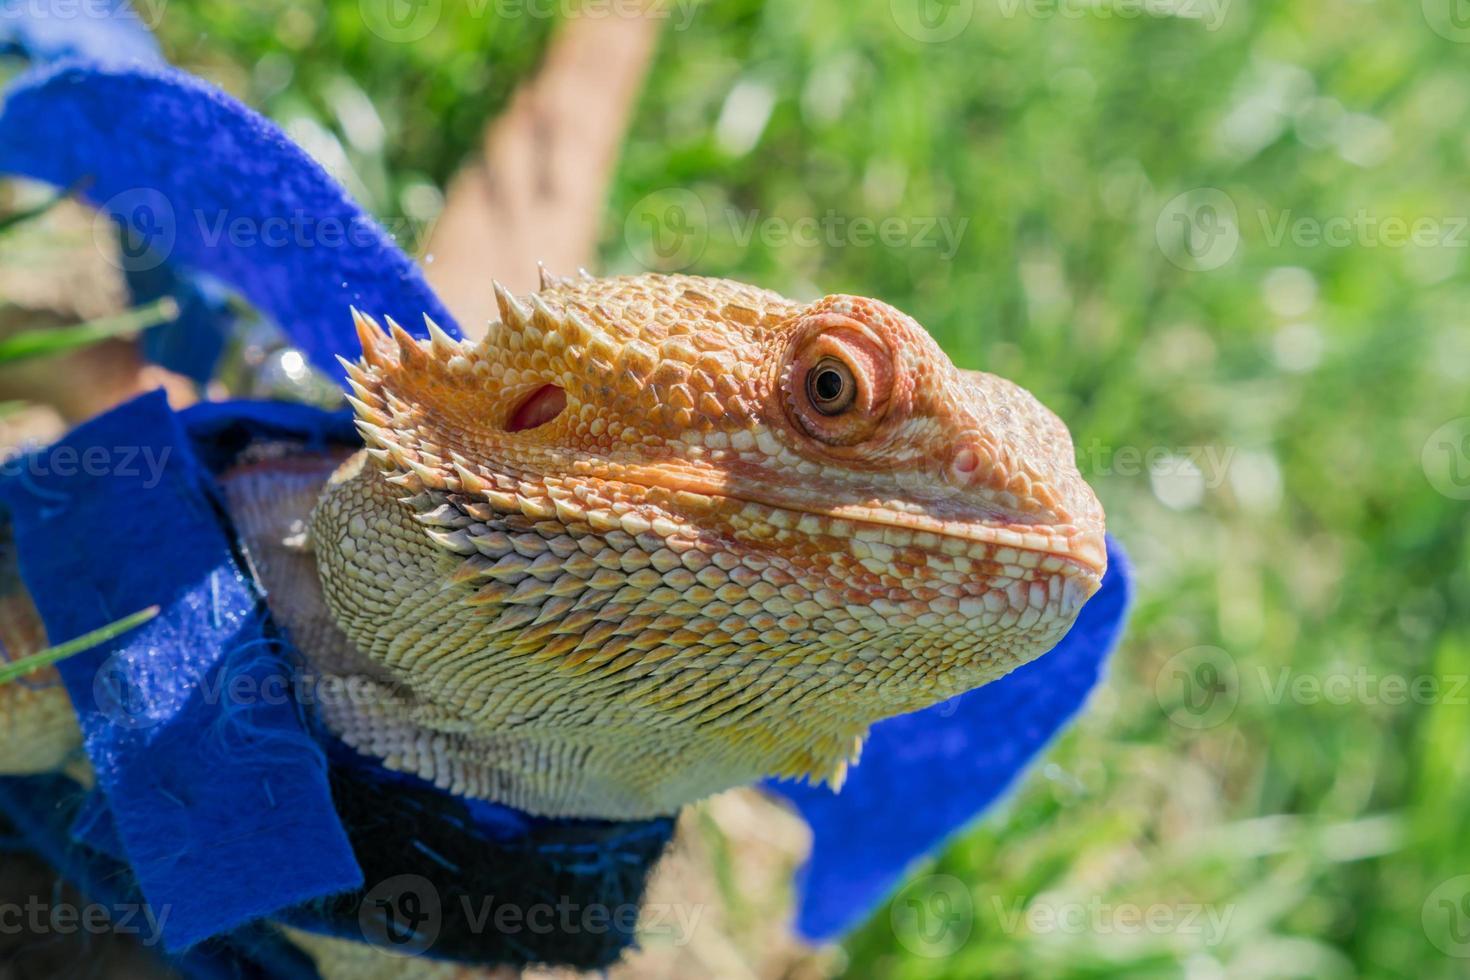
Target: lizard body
[{"x": 655, "y": 536}]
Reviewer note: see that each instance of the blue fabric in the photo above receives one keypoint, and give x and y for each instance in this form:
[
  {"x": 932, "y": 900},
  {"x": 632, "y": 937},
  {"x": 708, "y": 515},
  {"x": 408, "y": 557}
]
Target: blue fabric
[
  {"x": 221, "y": 803},
  {"x": 199, "y": 180},
  {"x": 43, "y": 810},
  {"x": 924, "y": 776},
  {"x": 104, "y": 31}
]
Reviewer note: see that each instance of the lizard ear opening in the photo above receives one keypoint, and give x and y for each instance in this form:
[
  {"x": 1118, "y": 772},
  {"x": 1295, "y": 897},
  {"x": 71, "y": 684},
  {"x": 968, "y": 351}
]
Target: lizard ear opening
[{"x": 538, "y": 408}]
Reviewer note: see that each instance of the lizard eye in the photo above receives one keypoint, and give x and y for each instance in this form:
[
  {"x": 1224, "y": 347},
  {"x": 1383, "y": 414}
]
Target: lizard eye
[
  {"x": 837, "y": 379},
  {"x": 831, "y": 386}
]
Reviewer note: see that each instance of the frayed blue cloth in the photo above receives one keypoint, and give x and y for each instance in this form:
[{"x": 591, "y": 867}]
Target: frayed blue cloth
[
  {"x": 924, "y": 776},
  {"x": 200, "y": 181},
  {"x": 104, "y": 31},
  {"x": 220, "y": 803}
]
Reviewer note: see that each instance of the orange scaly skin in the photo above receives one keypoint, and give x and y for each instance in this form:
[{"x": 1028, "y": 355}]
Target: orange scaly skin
[{"x": 744, "y": 530}]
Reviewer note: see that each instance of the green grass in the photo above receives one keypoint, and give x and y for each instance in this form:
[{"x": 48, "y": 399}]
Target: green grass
[
  {"x": 16, "y": 669},
  {"x": 1315, "y": 830},
  {"x": 1314, "y": 373}
]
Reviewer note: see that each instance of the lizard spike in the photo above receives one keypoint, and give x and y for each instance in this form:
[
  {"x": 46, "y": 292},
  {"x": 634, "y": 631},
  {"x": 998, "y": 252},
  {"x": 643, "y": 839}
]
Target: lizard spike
[
  {"x": 370, "y": 335},
  {"x": 366, "y": 412},
  {"x": 545, "y": 319},
  {"x": 472, "y": 569},
  {"x": 513, "y": 312},
  {"x": 406, "y": 481},
  {"x": 469, "y": 482},
  {"x": 550, "y": 280},
  {"x": 409, "y": 351},
  {"x": 584, "y": 274},
  {"x": 375, "y": 435},
  {"x": 359, "y": 387},
  {"x": 444, "y": 345}
]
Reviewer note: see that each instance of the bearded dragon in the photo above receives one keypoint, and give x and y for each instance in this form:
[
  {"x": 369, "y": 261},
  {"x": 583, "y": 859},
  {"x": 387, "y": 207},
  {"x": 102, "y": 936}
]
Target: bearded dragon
[{"x": 651, "y": 538}]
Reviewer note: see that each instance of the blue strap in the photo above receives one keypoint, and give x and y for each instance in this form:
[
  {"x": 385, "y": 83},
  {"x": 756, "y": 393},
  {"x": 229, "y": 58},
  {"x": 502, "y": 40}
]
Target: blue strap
[
  {"x": 202, "y": 182},
  {"x": 41, "y": 809},
  {"x": 924, "y": 776},
  {"x": 205, "y": 787}
]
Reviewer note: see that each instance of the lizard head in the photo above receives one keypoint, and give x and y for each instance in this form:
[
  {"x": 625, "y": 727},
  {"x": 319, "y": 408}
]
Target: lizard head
[{"x": 721, "y": 509}]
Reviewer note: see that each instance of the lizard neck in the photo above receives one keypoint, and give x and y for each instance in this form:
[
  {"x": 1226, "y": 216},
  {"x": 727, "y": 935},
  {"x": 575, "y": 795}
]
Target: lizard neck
[{"x": 463, "y": 692}]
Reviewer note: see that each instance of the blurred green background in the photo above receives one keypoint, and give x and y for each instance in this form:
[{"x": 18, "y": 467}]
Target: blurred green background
[{"x": 1226, "y": 242}]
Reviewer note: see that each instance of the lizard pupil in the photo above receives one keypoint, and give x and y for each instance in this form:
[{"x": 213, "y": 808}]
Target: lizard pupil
[{"x": 830, "y": 386}]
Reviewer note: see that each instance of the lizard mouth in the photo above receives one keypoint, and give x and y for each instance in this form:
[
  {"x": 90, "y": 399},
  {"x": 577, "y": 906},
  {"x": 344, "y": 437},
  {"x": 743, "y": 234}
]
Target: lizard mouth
[{"x": 1084, "y": 550}]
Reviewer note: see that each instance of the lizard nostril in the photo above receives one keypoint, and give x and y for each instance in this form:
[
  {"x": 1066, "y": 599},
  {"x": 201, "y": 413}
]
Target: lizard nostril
[{"x": 965, "y": 462}]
